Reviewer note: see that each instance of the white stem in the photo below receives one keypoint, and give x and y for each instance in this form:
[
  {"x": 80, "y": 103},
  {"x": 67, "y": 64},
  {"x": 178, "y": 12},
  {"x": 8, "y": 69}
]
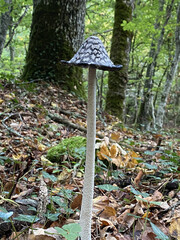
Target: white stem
[{"x": 88, "y": 188}]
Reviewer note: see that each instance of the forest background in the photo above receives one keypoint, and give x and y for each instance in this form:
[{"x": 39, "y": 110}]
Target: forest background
[
  {"x": 43, "y": 109},
  {"x": 153, "y": 88}
]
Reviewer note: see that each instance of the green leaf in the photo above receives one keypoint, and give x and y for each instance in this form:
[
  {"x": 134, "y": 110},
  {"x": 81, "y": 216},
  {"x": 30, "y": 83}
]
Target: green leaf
[
  {"x": 132, "y": 215},
  {"x": 52, "y": 216},
  {"x": 58, "y": 201},
  {"x": 136, "y": 192},
  {"x": 27, "y": 218},
  {"x": 151, "y": 202},
  {"x": 6, "y": 215},
  {"x": 51, "y": 177},
  {"x": 158, "y": 232},
  {"x": 149, "y": 166},
  {"x": 70, "y": 231},
  {"x": 108, "y": 187},
  {"x": 151, "y": 153}
]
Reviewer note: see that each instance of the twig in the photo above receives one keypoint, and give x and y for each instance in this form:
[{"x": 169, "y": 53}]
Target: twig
[
  {"x": 68, "y": 113},
  {"x": 59, "y": 119}
]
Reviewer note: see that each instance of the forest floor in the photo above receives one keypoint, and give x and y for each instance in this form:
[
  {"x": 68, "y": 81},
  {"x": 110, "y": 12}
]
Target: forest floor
[{"x": 137, "y": 190}]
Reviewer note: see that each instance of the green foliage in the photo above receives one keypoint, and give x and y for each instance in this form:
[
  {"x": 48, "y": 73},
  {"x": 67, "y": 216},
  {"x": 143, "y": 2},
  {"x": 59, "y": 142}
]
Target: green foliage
[
  {"x": 70, "y": 231},
  {"x": 5, "y": 215},
  {"x": 136, "y": 192},
  {"x": 158, "y": 232},
  {"x": 107, "y": 187},
  {"x": 26, "y": 218},
  {"x": 49, "y": 176},
  {"x": 11, "y": 68},
  {"x": 147, "y": 24},
  {"x": 99, "y": 19}
]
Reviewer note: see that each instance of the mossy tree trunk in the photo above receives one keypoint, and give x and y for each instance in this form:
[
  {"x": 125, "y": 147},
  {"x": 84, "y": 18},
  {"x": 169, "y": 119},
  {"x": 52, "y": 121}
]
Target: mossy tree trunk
[
  {"x": 120, "y": 49},
  {"x": 56, "y": 34}
]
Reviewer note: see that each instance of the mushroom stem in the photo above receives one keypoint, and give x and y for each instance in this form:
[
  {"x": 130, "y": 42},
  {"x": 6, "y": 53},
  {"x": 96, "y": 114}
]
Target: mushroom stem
[{"x": 88, "y": 188}]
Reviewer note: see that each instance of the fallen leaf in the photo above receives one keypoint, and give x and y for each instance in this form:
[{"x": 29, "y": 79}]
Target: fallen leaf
[
  {"x": 174, "y": 228},
  {"x": 76, "y": 203},
  {"x": 65, "y": 175},
  {"x": 41, "y": 147},
  {"x": 115, "y": 136},
  {"x": 44, "y": 234},
  {"x": 108, "y": 212}
]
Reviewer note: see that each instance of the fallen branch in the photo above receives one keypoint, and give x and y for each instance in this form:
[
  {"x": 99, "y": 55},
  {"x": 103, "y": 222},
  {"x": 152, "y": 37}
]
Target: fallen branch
[
  {"x": 68, "y": 113},
  {"x": 59, "y": 119}
]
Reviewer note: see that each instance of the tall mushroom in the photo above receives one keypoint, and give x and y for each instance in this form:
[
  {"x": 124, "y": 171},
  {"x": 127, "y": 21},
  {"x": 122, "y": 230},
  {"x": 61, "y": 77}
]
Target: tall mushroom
[{"x": 92, "y": 54}]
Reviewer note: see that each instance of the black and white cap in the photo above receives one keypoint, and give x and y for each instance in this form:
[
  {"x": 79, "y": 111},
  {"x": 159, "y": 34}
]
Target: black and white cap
[{"x": 92, "y": 53}]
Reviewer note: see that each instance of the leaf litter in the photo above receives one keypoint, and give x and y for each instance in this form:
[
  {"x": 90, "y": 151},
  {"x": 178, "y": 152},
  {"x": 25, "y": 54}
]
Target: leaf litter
[{"x": 136, "y": 195}]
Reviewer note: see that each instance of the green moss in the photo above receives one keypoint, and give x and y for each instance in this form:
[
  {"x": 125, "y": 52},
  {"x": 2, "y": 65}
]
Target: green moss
[{"x": 66, "y": 146}]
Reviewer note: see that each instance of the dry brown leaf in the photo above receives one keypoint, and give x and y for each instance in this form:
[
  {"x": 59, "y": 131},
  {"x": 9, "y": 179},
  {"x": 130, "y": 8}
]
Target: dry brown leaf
[
  {"x": 41, "y": 147},
  {"x": 138, "y": 210},
  {"x": 104, "y": 152},
  {"x": 115, "y": 136},
  {"x": 76, "y": 203},
  {"x": 114, "y": 151},
  {"x": 31, "y": 179},
  {"x": 105, "y": 226},
  {"x": 105, "y": 222},
  {"x": 125, "y": 220},
  {"x": 44, "y": 234},
  {"x": 100, "y": 203},
  {"x": 108, "y": 212},
  {"x": 143, "y": 230},
  {"x": 174, "y": 228},
  {"x": 65, "y": 175},
  {"x": 117, "y": 161}
]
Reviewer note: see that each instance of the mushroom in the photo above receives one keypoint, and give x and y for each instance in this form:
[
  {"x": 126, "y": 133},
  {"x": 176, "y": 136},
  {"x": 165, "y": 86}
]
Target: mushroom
[{"x": 92, "y": 54}]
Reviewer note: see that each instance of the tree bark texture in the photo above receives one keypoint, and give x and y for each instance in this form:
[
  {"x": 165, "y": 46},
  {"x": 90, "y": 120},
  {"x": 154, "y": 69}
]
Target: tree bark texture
[
  {"x": 146, "y": 114},
  {"x": 57, "y": 32},
  {"x": 120, "y": 49},
  {"x": 170, "y": 75},
  {"x": 5, "y": 20}
]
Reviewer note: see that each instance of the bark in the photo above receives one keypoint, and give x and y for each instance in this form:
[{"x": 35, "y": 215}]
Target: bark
[
  {"x": 5, "y": 20},
  {"x": 146, "y": 114},
  {"x": 120, "y": 49},
  {"x": 56, "y": 34},
  {"x": 170, "y": 75}
]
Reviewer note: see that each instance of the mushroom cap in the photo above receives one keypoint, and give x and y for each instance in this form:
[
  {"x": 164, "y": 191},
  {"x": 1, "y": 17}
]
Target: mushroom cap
[{"x": 92, "y": 53}]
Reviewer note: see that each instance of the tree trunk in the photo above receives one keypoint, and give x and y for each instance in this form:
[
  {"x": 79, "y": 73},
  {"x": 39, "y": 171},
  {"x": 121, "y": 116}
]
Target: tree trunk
[
  {"x": 56, "y": 34},
  {"x": 146, "y": 113},
  {"x": 120, "y": 49},
  {"x": 5, "y": 20},
  {"x": 170, "y": 75}
]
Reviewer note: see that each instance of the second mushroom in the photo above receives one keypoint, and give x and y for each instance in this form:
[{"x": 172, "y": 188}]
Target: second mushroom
[{"x": 92, "y": 54}]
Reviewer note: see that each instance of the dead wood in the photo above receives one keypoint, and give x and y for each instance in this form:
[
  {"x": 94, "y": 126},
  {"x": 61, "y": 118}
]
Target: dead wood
[{"x": 59, "y": 119}]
